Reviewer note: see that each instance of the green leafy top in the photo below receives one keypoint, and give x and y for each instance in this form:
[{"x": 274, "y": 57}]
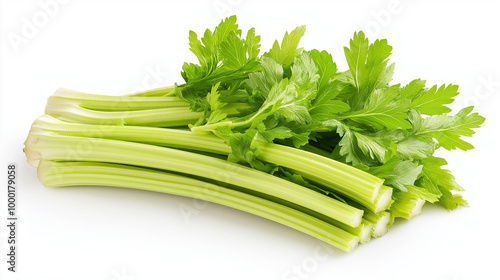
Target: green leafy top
[
  {"x": 299, "y": 98},
  {"x": 286, "y": 53},
  {"x": 224, "y": 58}
]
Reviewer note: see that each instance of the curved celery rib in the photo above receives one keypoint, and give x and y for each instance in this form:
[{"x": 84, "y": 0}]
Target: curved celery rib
[
  {"x": 177, "y": 116},
  {"x": 58, "y": 174},
  {"x": 114, "y": 103},
  {"x": 166, "y": 117},
  {"x": 173, "y": 138},
  {"x": 339, "y": 177},
  {"x": 46, "y": 145}
]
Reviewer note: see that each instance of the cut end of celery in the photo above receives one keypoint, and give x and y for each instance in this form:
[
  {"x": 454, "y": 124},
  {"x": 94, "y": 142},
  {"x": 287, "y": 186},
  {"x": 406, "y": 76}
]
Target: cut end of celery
[
  {"x": 357, "y": 218},
  {"x": 382, "y": 225},
  {"x": 32, "y": 157},
  {"x": 366, "y": 233},
  {"x": 417, "y": 209},
  {"x": 352, "y": 245},
  {"x": 384, "y": 201}
]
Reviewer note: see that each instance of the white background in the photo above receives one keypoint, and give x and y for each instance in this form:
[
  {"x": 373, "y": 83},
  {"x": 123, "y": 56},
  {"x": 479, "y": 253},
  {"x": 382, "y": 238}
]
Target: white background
[{"x": 115, "y": 47}]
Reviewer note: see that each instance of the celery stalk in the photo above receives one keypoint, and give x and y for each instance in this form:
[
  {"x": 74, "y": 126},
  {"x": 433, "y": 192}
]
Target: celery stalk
[
  {"x": 349, "y": 181},
  {"x": 159, "y": 117},
  {"x": 114, "y": 103},
  {"x": 46, "y": 145},
  {"x": 59, "y": 174},
  {"x": 335, "y": 176},
  {"x": 176, "y": 116}
]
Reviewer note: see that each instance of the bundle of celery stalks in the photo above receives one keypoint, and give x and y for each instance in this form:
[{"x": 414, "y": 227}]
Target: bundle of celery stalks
[{"x": 284, "y": 135}]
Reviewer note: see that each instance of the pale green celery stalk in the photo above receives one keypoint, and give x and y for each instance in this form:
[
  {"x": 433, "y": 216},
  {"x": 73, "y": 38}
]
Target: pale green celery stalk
[
  {"x": 406, "y": 205},
  {"x": 337, "y": 176},
  {"x": 61, "y": 174},
  {"x": 49, "y": 146},
  {"x": 166, "y": 117},
  {"x": 180, "y": 116},
  {"x": 383, "y": 200},
  {"x": 133, "y": 102},
  {"x": 376, "y": 206},
  {"x": 333, "y": 175},
  {"x": 382, "y": 221},
  {"x": 173, "y": 138},
  {"x": 179, "y": 139},
  {"x": 363, "y": 231},
  {"x": 163, "y": 91},
  {"x": 114, "y": 103}
]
